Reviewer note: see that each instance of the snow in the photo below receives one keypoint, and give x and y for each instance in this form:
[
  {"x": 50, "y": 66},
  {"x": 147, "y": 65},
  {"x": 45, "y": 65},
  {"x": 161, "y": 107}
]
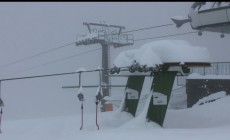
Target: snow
[
  {"x": 209, "y": 116},
  {"x": 81, "y": 69},
  {"x": 209, "y": 5},
  {"x": 99, "y": 68},
  {"x": 80, "y": 91},
  {"x": 179, "y": 17},
  {"x": 209, "y": 121},
  {"x": 113, "y": 100},
  {"x": 211, "y": 98},
  {"x": 90, "y": 36},
  {"x": 163, "y": 51}
]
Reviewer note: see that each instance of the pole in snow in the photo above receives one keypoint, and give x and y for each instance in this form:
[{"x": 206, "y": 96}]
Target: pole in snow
[
  {"x": 81, "y": 116},
  {"x": 96, "y": 116},
  {"x": 98, "y": 98},
  {"x": 81, "y": 98}
]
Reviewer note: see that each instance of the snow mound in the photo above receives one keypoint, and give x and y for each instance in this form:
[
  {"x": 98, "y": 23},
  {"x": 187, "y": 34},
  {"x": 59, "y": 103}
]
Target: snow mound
[
  {"x": 163, "y": 51},
  {"x": 210, "y": 121},
  {"x": 214, "y": 114},
  {"x": 211, "y": 98}
]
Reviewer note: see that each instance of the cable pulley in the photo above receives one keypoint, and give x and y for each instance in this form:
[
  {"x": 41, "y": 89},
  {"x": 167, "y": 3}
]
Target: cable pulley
[
  {"x": 115, "y": 70},
  {"x": 80, "y": 97}
]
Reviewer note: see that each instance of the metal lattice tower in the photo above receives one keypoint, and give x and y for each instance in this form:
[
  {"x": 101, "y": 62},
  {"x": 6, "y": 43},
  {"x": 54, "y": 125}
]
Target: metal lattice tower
[
  {"x": 105, "y": 65},
  {"x": 106, "y": 35}
]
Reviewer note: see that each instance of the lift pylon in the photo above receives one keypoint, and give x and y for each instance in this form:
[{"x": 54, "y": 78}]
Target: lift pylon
[{"x": 106, "y": 35}]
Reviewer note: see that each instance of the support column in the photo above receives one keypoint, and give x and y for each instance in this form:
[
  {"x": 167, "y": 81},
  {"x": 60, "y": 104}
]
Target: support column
[
  {"x": 133, "y": 92},
  {"x": 162, "y": 87},
  {"x": 105, "y": 65}
]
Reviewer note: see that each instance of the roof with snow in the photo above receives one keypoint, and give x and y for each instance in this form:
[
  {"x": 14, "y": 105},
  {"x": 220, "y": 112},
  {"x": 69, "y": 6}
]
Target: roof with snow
[{"x": 163, "y": 51}]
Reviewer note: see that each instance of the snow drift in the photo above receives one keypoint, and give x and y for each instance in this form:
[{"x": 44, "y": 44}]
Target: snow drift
[{"x": 209, "y": 121}]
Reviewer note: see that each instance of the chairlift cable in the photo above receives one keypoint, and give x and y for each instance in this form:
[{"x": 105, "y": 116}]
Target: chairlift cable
[
  {"x": 127, "y": 68},
  {"x": 141, "y": 29},
  {"x": 54, "y": 49},
  {"x": 24, "y": 59},
  {"x": 170, "y": 35},
  {"x": 158, "y": 26},
  {"x": 47, "y": 75},
  {"x": 54, "y": 61},
  {"x": 32, "y": 56}
]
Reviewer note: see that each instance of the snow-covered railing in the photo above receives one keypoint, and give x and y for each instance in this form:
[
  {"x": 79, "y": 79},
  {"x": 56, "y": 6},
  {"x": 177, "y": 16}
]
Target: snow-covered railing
[{"x": 217, "y": 68}]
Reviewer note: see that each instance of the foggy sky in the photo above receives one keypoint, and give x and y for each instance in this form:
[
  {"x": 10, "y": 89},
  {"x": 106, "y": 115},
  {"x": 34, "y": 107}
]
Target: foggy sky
[{"x": 28, "y": 28}]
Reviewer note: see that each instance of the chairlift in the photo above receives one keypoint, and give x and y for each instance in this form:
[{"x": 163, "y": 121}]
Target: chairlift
[
  {"x": 134, "y": 67},
  {"x": 140, "y": 68},
  {"x": 80, "y": 91},
  {"x": 213, "y": 18},
  {"x": 98, "y": 94},
  {"x": 98, "y": 98},
  {"x": 80, "y": 97},
  {"x": 115, "y": 70}
]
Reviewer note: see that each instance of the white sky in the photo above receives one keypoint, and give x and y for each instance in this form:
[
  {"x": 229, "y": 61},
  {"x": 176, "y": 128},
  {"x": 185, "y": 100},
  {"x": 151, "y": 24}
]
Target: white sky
[{"x": 30, "y": 28}]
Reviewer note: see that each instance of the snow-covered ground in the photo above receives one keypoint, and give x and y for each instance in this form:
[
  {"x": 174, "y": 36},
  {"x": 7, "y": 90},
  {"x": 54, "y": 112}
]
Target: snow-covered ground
[{"x": 209, "y": 121}]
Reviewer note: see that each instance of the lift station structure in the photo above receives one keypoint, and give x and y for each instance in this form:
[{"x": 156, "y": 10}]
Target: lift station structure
[
  {"x": 207, "y": 16},
  {"x": 107, "y": 36}
]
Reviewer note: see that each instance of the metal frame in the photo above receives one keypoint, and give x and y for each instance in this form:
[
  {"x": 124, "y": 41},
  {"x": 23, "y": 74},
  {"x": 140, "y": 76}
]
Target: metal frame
[{"x": 105, "y": 43}]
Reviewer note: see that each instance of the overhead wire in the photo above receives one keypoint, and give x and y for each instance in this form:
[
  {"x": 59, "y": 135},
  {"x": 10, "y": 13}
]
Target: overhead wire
[
  {"x": 68, "y": 57},
  {"x": 48, "y": 75},
  {"x": 57, "y": 48},
  {"x": 32, "y": 56},
  {"x": 148, "y": 38},
  {"x": 158, "y": 26},
  {"x": 38, "y": 66},
  {"x": 54, "y": 61},
  {"x": 54, "y": 49},
  {"x": 140, "y": 29}
]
